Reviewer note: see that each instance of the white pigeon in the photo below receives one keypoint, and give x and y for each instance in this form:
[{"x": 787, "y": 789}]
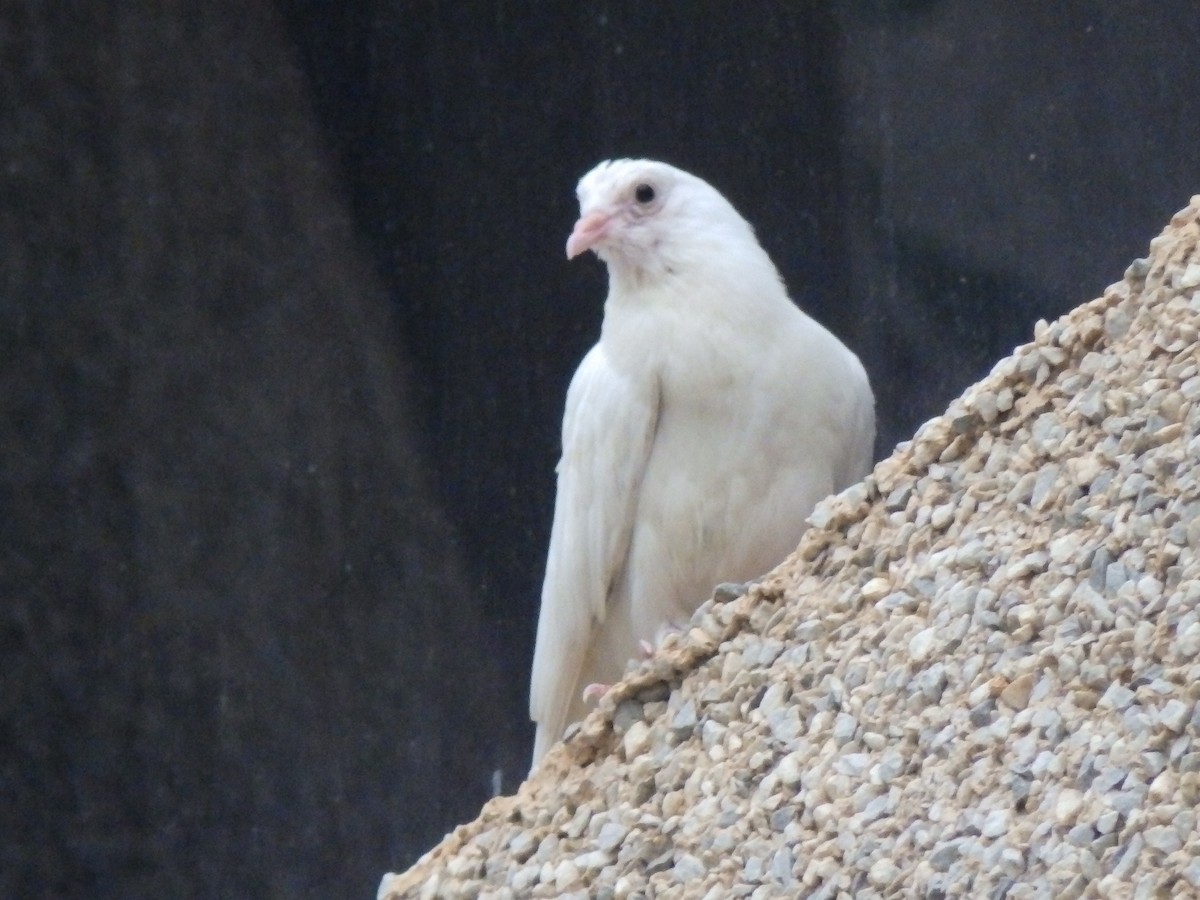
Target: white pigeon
[{"x": 699, "y": 432}]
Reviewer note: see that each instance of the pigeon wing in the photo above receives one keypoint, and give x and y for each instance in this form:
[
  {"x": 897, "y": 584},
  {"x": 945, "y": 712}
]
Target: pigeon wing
[{"x": 608, "y": 432}]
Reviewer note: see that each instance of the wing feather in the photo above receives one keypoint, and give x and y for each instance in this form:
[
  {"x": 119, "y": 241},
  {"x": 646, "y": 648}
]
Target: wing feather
[{"x": 608, "y": 430}]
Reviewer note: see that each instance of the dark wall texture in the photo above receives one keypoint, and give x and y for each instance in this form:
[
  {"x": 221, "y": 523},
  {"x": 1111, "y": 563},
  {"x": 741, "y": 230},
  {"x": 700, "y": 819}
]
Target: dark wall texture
[{"x": 285, "y": 331}]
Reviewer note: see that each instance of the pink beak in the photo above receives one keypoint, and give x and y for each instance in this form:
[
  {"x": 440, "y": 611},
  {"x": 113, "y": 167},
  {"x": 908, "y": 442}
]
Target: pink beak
[{"x": 589, "y": 231}]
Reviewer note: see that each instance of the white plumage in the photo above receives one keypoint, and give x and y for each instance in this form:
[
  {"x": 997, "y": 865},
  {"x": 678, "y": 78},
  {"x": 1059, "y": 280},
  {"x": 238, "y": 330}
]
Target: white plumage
[{"x": 699, "y": 432}]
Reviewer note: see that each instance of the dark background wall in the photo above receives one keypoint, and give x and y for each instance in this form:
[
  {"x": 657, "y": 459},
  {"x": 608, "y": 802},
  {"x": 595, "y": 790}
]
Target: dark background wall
[{"x": 285, "y": 329}]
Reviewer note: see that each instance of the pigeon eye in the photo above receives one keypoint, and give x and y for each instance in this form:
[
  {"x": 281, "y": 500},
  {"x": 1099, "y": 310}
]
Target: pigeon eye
[{"x": 643, "y": 193}]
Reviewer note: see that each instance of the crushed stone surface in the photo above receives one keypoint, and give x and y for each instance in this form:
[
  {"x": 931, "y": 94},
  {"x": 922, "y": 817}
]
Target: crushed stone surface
[{"x": 977, "y": 675}]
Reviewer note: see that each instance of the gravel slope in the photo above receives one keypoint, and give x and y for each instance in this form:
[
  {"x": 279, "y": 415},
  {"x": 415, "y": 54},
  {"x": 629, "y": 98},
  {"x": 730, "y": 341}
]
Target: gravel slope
[{"x": 977, "y": 675}]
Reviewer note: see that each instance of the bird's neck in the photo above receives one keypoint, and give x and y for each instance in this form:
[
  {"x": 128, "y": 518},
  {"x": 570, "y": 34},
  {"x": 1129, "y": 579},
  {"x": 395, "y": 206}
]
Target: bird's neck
[{"x": 730, "y": 283}]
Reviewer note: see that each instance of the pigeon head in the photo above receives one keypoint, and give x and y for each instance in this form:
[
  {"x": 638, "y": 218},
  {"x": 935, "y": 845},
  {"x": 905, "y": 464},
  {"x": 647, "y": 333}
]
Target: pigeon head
[{"x": 646, "y": 219}]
